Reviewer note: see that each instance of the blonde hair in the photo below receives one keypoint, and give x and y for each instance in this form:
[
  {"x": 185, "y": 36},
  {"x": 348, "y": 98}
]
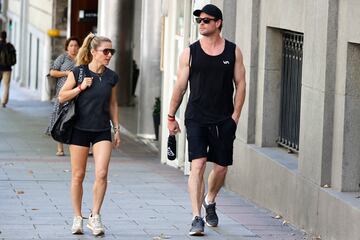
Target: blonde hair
[{"x": 91, "y": 41}]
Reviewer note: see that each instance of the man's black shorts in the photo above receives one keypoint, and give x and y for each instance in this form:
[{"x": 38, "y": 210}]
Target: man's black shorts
[
  {"x": 212, "y": 141},
  {"x": 84, "y": 138}
]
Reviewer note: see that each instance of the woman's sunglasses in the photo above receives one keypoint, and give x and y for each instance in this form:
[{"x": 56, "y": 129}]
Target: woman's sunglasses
[
  {"x": 106, "y": 51},
  {"x": 204, "y": 20}
]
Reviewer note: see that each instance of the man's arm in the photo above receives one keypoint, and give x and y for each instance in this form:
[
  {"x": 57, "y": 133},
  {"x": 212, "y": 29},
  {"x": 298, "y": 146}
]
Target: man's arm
[
  {"x": 240, "y": 85},
  {"x": 179, "y": 89}
]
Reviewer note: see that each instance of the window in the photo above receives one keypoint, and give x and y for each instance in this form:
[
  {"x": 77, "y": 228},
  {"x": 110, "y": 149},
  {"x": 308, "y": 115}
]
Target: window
[{"x": 292, "y": 51}]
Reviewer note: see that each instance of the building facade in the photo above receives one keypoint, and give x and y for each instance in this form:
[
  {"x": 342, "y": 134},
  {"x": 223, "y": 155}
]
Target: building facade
[
  {"x": 38, "y": 29},
  {"x": 28, "y": 24},
  {"x": 296, "y": 149}
]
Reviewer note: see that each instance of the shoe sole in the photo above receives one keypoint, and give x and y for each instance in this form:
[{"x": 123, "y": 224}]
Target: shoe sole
[
  {"x": 208, "y": 224},
  {"x": 98, "y": 234},
  {"x": 79, "y": 232},
  {"x": 60, "y": 154},
  {"x": 196, "y": 233}
]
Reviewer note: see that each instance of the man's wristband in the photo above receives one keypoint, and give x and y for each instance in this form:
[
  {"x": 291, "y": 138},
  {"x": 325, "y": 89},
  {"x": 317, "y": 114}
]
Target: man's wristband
[
  {"x": 79, "y": 87},
  {"x": 171, "y": 116}
]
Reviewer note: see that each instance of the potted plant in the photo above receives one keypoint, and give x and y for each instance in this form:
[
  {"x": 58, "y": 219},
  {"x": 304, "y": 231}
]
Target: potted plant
[{"x": 156, "y": 116}]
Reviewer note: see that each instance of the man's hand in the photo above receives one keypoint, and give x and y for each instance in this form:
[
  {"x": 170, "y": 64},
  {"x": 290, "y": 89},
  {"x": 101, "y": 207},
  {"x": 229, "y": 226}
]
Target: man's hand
[
  {"x": 173, "y": 127},
  {"x": 235, "y": 117}
]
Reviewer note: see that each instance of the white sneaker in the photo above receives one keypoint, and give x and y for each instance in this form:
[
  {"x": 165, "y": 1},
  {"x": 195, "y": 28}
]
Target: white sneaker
[
  {"x": 77, "y": 227},
  {"x": 95, "y": 225}
]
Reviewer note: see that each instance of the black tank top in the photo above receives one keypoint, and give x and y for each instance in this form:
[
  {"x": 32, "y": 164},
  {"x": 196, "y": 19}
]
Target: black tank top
[{"x": 211, "y": 85}]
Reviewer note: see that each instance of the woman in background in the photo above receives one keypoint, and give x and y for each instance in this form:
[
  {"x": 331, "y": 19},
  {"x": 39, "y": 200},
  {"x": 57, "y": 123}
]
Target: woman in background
[{"x": 62, "y": 66}]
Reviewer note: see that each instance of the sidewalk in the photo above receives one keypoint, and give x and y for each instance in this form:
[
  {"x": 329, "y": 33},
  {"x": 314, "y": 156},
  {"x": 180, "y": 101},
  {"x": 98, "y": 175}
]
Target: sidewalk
[{"x": 144, "y": 200}]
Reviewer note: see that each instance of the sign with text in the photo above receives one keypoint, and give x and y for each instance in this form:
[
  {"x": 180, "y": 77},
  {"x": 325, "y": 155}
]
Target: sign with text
[{"x": 87, "y": 15}]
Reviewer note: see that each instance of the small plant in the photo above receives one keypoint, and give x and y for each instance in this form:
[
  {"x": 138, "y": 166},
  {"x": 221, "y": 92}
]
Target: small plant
[{"x": 157, "y": 106}]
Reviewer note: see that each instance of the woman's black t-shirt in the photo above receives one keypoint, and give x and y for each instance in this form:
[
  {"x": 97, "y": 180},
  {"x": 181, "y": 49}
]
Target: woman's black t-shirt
[{"x": 93, "y": 104}]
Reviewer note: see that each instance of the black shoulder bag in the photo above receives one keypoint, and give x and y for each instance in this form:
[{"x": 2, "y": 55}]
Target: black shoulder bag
[{"x": 62, "y": 129}]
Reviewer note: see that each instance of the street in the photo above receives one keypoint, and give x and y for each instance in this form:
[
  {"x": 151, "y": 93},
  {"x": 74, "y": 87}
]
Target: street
[{"x": 145, "y": 199}]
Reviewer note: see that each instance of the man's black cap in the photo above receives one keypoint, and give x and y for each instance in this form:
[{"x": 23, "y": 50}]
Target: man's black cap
[{"x": 210, "y": 9}]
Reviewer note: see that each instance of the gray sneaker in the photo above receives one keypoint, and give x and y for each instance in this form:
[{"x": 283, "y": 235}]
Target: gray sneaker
[
  {"x": 197, "y": 227},
  {"x": 211, "y": 217}
]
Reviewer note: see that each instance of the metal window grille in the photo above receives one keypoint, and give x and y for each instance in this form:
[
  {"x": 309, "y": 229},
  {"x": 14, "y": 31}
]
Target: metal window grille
[{"x": 291, "y": 90}]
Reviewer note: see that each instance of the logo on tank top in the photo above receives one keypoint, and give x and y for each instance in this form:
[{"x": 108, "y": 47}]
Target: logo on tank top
[{"x": 226, "y": 62}]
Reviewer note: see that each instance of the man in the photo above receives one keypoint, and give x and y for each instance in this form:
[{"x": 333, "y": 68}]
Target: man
[
  {"x": 7, "y": 59},
  {"x": 212, "y": 66}
]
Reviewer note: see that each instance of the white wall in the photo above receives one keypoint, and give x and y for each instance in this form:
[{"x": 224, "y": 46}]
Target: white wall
[
  {"x": 40, "y": 14},
  {"x": 32, "y": 18}
]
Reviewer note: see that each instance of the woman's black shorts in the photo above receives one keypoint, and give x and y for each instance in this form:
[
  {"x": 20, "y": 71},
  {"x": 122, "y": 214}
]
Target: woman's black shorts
[
  {"x": 84, "y": 138},
  {"x": 212, "y": 141}
]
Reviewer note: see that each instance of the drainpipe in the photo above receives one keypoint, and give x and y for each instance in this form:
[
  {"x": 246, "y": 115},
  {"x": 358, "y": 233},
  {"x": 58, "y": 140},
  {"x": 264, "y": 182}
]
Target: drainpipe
[{"x": 150, "y": 76}]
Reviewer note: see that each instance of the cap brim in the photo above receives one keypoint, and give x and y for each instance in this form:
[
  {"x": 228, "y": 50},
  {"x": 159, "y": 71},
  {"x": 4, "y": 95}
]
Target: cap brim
[{"x": 197, "y": 12}]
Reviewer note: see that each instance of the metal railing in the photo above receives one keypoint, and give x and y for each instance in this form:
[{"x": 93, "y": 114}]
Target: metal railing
[{"x": 291, "y": 90}]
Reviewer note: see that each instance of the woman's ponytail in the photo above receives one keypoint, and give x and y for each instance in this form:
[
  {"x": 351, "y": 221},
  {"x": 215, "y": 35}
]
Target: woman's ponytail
[
  {"x": 84, "y": 55},
  {"x": 91, "y": 41}
]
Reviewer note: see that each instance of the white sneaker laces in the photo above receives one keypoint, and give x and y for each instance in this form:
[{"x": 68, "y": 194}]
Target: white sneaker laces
[
  {"x": 97, "y": 222},
  {"x": 77, "y": 221}
]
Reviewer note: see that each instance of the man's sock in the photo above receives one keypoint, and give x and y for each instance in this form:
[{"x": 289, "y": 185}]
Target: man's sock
[{"x": 206, "y": 200}]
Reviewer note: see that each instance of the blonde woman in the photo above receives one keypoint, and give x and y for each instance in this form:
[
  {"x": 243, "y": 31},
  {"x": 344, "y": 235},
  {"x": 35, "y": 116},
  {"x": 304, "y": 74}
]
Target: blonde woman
[{"x": 96, "y": 105}]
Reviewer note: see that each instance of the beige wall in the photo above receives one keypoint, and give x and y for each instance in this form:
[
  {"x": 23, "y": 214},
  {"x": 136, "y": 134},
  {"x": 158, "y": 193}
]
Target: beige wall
[
  {"x": 15, "y": 6},
  {"x": 345, "y": 164},
  {"x": 292, "y": 185},
  {"x": 40, "y": 14},
  {"x": 352, "y": 19},
  {"x": 286, "y": 14}
]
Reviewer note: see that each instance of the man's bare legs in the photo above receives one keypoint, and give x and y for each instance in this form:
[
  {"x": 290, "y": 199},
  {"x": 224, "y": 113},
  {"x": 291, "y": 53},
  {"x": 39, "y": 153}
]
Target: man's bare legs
[
  {"x": 196, "y": 185},
  {"x": 215, "y": 181},
  {"x": 196, "y": 191}
]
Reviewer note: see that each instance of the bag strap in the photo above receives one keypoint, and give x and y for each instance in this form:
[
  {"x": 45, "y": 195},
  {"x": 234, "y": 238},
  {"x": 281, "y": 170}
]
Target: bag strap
[
  {"x": 81, "y": 75},
  {"x": 80, "y": 78},
  {"x": 63, "y": 58}
]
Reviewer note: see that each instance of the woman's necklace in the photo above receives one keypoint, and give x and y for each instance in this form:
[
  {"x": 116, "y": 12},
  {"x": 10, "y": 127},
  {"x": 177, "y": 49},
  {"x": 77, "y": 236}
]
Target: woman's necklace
[{"x": 100, "y": 75}]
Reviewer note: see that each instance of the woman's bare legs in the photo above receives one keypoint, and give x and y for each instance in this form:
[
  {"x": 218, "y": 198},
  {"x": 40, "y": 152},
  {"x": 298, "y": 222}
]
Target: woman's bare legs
[
  {"x": 79, "y": 156},
  {"x": 101, "y": 153}
]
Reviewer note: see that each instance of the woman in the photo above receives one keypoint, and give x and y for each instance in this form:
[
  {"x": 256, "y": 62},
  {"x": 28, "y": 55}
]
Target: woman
[
  {"x": 96, "y": 105},
  {"x": 62, "y": 66}
]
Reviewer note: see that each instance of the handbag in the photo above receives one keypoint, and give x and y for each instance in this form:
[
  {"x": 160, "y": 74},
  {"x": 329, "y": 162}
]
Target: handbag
[
  {"x": 50, "y": 85},
  {"x": 61, "y": 130},
  {"x": 50, "y": 82}
]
